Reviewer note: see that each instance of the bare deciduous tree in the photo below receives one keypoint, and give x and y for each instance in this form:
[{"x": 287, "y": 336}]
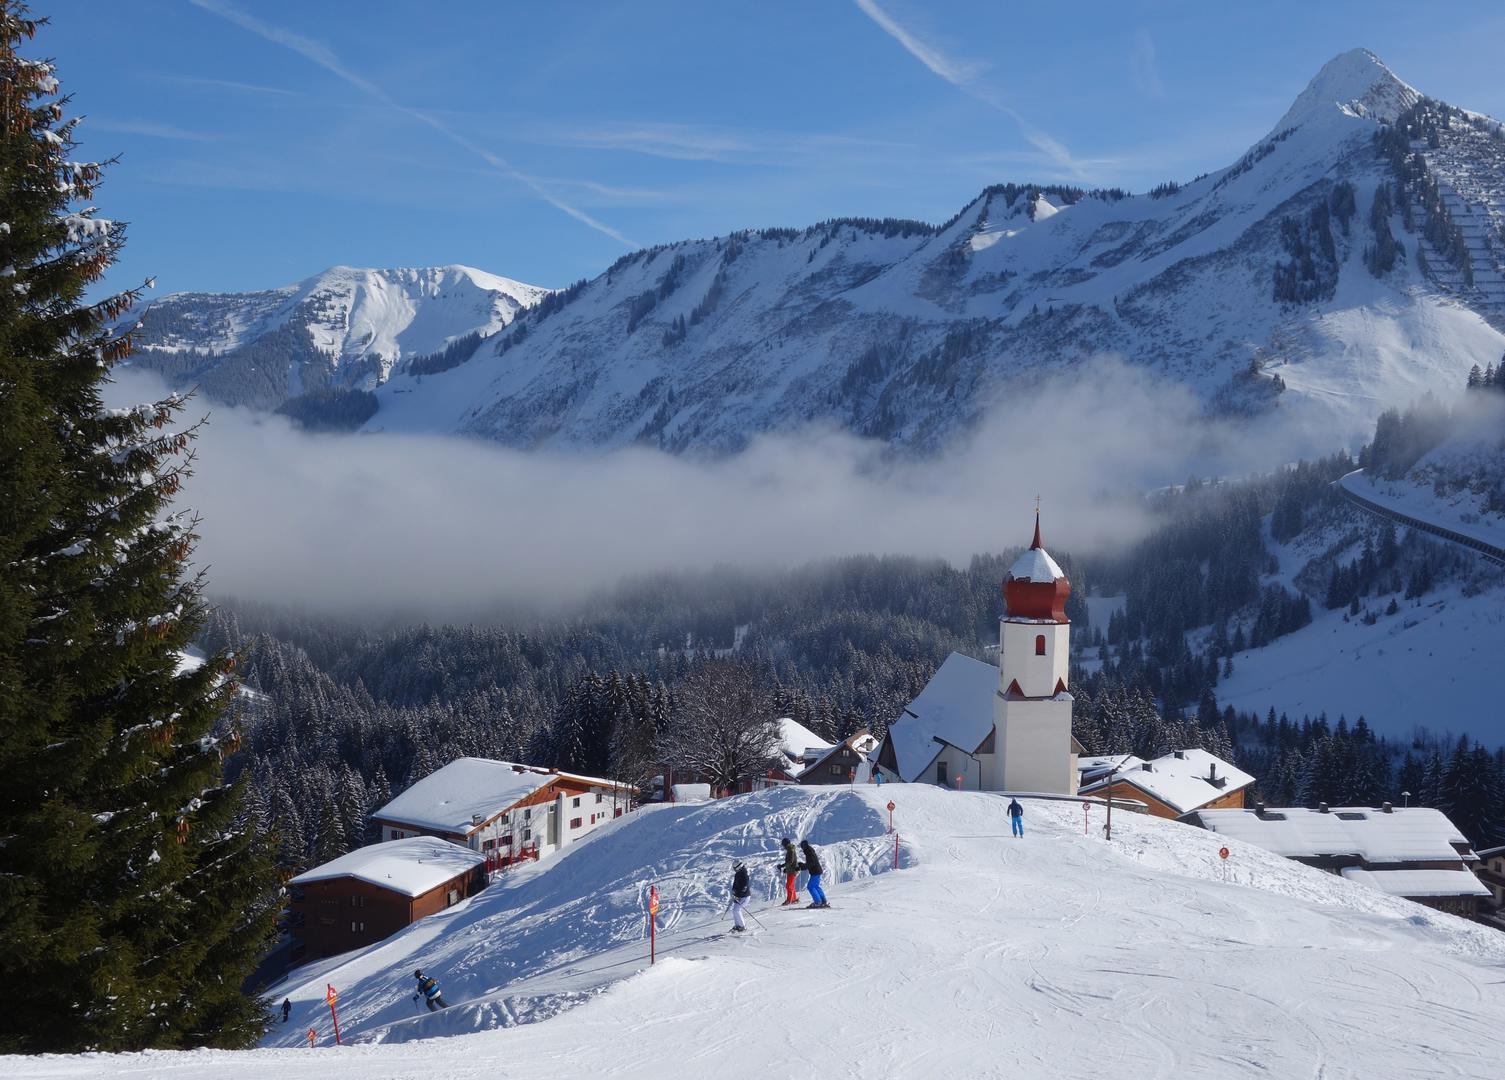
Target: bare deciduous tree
[{"x": 723, "y": 726}]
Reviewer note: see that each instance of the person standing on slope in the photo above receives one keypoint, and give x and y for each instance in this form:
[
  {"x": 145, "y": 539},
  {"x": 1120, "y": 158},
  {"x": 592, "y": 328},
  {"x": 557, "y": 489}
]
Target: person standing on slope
[
  {"x": 812, "y": 866},
  {"x": 791, "y": 872},
  {"x": 430, "y": 991},
  {"x": 741, "y": 890},
  {"x": 1016, "y": 817}
]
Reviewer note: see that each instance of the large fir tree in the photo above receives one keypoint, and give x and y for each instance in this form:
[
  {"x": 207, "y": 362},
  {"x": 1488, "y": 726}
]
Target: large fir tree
[{"x": 133, "y": 903}]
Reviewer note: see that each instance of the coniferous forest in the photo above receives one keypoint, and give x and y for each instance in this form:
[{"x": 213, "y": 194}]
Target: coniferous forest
[
  {"x": 134, "y": 901},
  {"x": 341, "y": 715}
]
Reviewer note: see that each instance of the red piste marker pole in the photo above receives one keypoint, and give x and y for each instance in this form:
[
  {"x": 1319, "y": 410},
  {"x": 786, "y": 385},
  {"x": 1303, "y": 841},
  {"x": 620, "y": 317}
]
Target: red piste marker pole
[
  {"x": 896, "y": 851},
  {"x": 331, "y": 996},
  {"x": 652, "y": 923},
  {"x": 1085, "y": 808}
]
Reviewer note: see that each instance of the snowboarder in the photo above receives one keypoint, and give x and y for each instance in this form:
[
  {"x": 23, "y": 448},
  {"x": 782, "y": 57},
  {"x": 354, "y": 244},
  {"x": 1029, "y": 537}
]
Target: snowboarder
[
  {"x": 429, "y": 989},
  {"x": 741, "y": 890},
  {"x": 1016, "y": 817},
  {"x": 287, "y": 1007},
  {"x": 812, "y": 866},
  {"x": 791, "y": 868}
]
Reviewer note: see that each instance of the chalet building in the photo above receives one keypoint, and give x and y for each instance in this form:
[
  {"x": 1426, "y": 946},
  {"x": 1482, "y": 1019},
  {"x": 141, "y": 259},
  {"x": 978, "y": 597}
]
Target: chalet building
[
  {"x": 373, "y": 892},
  {"x": 506, "y": 812},
  {"x": 844, "y": 763},
  {"x": 1491, "y": 873},
  {"x": 1169, "y": 786},
  {"x": 799, "y": 748},
  {"x": 1004, "y": 728},
  {"x": 1415, "y": 853}
]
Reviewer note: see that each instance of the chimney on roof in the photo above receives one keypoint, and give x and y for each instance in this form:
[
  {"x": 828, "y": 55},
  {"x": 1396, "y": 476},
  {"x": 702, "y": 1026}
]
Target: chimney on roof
[
  {"x": 1387, "y": 809},
  {"x": 1212, "y": 771},
  {"x": 1181, "y": 754},
  {"x": 476, "y": 819},
  {"x": 1322, "y": 808},
  {"x": 1147, "y": 767},
  {"x": 1259, "y": 808},
  {"x": 519, "y": 768}
]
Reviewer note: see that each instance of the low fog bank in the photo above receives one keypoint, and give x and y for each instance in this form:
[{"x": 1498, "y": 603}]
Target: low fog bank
[{"x": 449, "y": 527}]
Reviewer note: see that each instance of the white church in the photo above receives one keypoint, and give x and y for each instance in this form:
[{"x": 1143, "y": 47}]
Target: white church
[{"x": 1007, "y": 728}]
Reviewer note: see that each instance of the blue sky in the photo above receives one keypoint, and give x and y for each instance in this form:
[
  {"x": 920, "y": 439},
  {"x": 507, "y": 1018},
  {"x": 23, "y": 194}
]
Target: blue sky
[{"x": 261, "y": 141}]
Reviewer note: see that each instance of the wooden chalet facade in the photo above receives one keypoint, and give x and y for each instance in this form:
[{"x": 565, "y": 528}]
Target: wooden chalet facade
[
  {"x": 844, "y": 763},
  {"x": 373, "y": 892}
]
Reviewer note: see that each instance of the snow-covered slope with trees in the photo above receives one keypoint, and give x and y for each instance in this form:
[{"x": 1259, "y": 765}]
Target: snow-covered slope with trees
[
  {"x": 1058, "y": 955},
  {"x": 345, "y": 327}
]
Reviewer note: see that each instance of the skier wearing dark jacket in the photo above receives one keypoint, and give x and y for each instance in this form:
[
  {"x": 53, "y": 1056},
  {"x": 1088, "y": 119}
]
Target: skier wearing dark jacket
[
  {"x": 429, "y": 990},
  {"x": 741, "y": 890},
  {"x": 812, "y": 866},
  {"x": 1016, "y": 818},
  {"x": 791, "y": 869}
]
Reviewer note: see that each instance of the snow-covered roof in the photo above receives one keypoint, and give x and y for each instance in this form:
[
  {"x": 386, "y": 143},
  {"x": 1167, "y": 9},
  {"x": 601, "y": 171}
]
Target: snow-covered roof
[
  {"x": 1491, "y": 852},
  {"x": 956, "y": 704},
  {"x": 1035, "y": 565},
  {"x": 1183, "y": 780},
  {"x": 1413, "y": 883},
  {"x": 449, "y": 799},
  {"x": 795, "y": 739},
  {"x": 860, "y": 743},
  {"x": 1414, "y": 834},
  {"x": 411, "y": 867},
  {"x": 691, "y": 792}
]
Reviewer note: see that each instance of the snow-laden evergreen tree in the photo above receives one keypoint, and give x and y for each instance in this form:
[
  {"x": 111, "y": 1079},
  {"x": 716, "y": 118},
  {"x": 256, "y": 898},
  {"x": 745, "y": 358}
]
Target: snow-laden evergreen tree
[{"x": 133, "y": 902}]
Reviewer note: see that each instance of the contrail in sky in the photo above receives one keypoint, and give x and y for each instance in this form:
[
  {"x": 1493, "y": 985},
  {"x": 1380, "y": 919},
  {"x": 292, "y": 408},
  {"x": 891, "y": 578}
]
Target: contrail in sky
[
  {"x": 320, "y": 54},
  {"x": 964, "y": 75}
]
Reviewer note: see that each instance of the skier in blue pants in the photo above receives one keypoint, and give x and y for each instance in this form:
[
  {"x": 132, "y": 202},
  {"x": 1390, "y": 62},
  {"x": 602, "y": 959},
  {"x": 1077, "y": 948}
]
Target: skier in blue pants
[
  {"x": 1016, "y": 817},
  {"x": 812, "y": 866}
]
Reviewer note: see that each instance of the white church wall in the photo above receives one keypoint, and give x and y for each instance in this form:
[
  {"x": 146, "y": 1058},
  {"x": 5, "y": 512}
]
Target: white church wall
[
  {"x": 1034, "y": 745},
  {"x": 1017, "y": 658}
]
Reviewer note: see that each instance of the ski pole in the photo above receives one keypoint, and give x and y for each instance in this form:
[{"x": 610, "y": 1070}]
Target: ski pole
[{"x": 753, "y": 917}]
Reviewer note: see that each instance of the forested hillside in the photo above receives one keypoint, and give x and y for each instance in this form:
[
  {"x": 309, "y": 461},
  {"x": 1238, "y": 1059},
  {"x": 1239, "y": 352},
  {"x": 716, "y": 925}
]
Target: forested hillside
[{"x": 341, "y": 716}]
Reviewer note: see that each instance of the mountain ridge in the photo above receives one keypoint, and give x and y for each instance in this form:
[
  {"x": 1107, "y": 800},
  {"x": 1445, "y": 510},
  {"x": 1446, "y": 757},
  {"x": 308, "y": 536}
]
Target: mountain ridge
[{"x": 1257, "y": 286}]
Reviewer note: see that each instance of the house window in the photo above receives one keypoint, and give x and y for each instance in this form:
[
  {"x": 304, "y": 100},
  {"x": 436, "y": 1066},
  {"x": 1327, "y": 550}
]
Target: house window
[
  {"x": 599, "y": 796},
  {"x": 941, "y": 772},
  {"x": 528, "y": 814},
  {"x": 357, "y": 927},
  {"x": 836, "y": 770},
  {"x": 1039, "y": 644},
  {"x": 505, "y": 841},
  {"x": 575, "y": 802},
  {"x": 527, "y": 834},
  {"x": 574, "y": 823}
]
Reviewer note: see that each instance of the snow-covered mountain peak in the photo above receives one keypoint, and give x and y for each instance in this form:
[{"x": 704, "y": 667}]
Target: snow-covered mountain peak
[{"x": 1354, "y": 83}]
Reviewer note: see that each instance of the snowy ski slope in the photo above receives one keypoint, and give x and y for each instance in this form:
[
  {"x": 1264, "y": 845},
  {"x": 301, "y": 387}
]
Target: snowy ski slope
[{"x": 1058, "y": 955}]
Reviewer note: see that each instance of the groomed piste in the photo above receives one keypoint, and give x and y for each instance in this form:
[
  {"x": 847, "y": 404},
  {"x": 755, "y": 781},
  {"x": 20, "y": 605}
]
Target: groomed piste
[{"x": 1057, "y": 955}]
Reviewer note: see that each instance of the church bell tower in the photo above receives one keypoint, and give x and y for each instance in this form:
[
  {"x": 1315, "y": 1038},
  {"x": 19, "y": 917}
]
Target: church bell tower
[{"x": 1033, "y": 746}]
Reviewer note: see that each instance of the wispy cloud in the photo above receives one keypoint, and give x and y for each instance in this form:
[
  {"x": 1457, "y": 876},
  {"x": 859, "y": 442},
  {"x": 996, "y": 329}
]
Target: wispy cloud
[
  {"x": 151, "y": 129},
  {"x": 320, "y": 54},
  {"x": 229, "y": 84},
  {"x": 1145, "y": 67},
  {"x": 966, "y": 75},
  {"x": 702, "y": 142}
]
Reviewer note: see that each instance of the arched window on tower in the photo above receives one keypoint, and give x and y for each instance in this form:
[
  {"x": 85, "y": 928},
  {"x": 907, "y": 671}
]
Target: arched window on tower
[{"x": 1039, "y": 644}]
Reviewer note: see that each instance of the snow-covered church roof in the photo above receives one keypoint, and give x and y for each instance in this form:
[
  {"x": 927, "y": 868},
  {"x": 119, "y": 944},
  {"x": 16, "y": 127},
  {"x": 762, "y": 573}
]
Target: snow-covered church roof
[
  {"x": 1035, "y": 565},
  {"x": 956, "y": 705}
]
